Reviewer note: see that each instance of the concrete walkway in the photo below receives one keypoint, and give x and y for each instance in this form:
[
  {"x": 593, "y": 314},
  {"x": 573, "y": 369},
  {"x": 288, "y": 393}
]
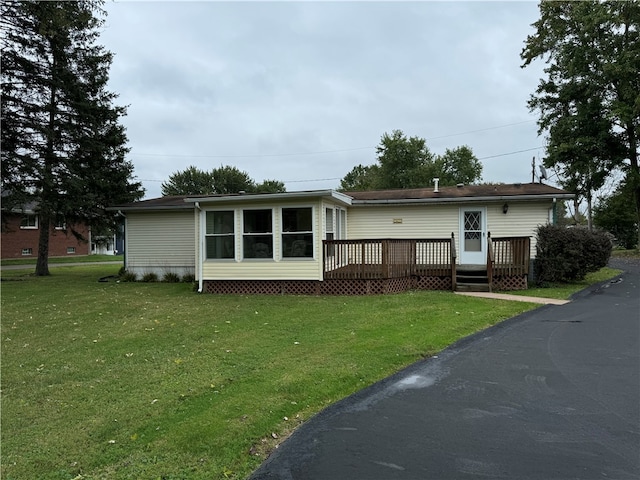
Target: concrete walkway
[{"x": 515, "y": 298}]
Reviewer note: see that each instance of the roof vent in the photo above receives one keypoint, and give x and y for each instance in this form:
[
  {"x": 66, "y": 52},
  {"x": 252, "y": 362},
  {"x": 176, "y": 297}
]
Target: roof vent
[
  {"x": 435, "y": 185},
  {"x": 460, "y": 185}
]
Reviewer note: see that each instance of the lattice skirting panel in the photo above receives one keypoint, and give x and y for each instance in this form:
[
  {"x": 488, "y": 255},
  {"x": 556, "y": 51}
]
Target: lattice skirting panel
[
  {"x": 518, "y": 282},
  {"x": 327, "y": 287},
  {"x": 262, "y": 287},
  {"x": 433, "y": 283}
]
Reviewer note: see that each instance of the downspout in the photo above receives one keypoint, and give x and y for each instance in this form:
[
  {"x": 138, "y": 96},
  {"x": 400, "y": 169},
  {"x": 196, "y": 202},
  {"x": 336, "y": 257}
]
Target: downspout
[
  {"x": 124, "y": 239},
  {"x": 555, "y": 211},
  {"x": 200, "y": 247}
]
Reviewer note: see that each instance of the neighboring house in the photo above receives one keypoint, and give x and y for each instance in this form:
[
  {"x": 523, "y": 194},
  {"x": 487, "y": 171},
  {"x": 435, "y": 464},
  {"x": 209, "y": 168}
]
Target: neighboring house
[
  {"x": 21, "y": 232},
  {"x": 103, "y": 245},
  {"x": 330, "y": 242}
]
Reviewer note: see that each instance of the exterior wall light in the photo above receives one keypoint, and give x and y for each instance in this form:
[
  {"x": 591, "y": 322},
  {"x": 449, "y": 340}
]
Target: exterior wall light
[{"x": 505, "y": 208}]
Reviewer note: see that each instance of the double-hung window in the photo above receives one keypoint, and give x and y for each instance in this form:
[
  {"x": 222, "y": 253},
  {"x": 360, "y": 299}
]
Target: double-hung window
[
  {"x": 297, "y": 232},
  {"x": 257, "y": 234},
  {"x": 29, "y": 221},
  {"x": 220, "y": 234}
]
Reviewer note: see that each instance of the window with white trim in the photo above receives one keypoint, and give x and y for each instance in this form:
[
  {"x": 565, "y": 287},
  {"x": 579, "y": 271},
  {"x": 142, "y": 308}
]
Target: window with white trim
[
  {"x": 257, "y": 233},
  {"x": 297, "y": 232},
  {"x": 71, "y": 250},
  {"x": 220, "y": 234},
  {"x": 27, "y": 251},
  {"x": 60, "y": 224},
  {"x": 29, "y": 221}
]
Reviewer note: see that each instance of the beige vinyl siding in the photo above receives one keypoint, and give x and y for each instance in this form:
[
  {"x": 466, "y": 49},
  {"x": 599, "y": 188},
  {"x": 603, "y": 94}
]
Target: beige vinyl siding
[
  {"x": 521, "y": 220},
  {"x": 160, "y": 242},
  {"x": 277, "y": 268},
  {"x": 403, "y": 221},
  {"x": 439, "y": 221}
]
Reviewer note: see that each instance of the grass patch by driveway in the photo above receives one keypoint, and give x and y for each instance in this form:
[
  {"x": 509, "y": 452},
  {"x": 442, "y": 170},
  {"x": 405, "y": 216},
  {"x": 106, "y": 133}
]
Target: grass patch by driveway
[
  {"x": 135, "y": 380},
  {"x": 563, "y": 291}
]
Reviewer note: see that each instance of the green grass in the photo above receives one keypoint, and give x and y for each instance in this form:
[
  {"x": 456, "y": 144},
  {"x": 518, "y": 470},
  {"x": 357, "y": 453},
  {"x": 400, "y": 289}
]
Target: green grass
[
  {"x": 69, "y": 259},
  {"x": 150, "y": 380},
  {"x": 622, "y": 253},
  {"x": 563, "y": 291}
]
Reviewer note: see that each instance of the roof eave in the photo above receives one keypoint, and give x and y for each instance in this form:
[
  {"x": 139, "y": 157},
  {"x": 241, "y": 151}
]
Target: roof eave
[
  {"x": 331, "y": 194},
  {"x": 161, "y": 208}
]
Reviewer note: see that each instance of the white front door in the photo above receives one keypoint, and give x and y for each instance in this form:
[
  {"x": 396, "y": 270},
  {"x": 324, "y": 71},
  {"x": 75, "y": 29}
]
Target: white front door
[{"x": 473, "y": 237}]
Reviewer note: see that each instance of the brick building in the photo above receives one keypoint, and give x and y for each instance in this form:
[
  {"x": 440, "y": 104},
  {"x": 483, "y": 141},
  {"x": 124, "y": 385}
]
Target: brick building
[{"x": 21, "y": 231}]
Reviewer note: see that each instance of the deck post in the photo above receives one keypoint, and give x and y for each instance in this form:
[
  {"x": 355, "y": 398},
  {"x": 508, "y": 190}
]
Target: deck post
[
  {"x": 453, "y": 262},
  {"x": 490, "y": 259}
]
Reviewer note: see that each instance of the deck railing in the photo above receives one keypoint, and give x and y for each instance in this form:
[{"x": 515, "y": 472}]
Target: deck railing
[
  {"x": 388, "y": 258},
  {"x": 508, "y": 256}
]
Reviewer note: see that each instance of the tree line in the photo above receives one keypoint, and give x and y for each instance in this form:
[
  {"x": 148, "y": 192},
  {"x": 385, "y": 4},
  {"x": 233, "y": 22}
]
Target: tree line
[{"x": 402, "y": 162}]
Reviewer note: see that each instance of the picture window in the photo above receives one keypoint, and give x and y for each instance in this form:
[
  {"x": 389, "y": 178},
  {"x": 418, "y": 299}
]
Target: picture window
[
  {"x": 257, "y": 235},
  {"x": 220, "y": 235}
]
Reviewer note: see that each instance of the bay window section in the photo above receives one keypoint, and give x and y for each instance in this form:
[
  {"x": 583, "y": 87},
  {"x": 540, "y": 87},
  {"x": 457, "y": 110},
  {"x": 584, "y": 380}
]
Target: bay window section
[
  {"x": 220, "y": 235},
  {"x": 297, "y": 232},
  {"x": 257, "y": 235}
]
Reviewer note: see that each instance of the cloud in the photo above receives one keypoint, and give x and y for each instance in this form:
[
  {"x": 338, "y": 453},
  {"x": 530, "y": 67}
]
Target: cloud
[{"x": 251, "y": 84}]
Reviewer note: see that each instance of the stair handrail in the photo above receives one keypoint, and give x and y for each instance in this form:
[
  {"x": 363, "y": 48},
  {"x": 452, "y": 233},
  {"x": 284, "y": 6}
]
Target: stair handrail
[{"x": 490, "y": 261}]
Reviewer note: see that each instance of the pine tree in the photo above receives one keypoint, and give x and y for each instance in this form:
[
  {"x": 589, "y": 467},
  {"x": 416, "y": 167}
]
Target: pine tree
[{"x": 63, "y": 146}]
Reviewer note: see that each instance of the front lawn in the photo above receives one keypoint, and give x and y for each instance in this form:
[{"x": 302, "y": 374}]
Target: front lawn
[{"x": 134, "y": 380}]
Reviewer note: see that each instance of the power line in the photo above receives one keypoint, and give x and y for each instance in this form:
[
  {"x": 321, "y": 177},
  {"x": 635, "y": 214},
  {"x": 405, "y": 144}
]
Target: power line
[
  {"x": 338, "y": 178},
  {"x": 510, "y": 153},
  {"x": 321, "y": 152},
  {"x": 480, "y": 130}
]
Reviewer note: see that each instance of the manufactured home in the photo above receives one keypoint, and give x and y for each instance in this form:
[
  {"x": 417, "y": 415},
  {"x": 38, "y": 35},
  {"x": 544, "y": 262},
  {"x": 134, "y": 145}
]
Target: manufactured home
[{"x": 329, "y": 242}]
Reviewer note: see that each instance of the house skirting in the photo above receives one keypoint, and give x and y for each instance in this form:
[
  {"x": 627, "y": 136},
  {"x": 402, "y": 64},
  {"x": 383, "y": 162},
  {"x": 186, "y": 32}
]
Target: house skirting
[
  {"x": 326, "y": 287},
  {"x": 515, "y": 282}
]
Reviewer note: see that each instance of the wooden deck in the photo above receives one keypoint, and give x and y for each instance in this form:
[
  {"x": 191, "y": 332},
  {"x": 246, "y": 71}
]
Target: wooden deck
[
  {"x": 381, "y": 259},
  {"x": 388, "y": 258}
]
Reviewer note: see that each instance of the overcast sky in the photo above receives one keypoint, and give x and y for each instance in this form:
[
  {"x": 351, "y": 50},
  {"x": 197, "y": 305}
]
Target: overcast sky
[{"x": 302, "y": 92}]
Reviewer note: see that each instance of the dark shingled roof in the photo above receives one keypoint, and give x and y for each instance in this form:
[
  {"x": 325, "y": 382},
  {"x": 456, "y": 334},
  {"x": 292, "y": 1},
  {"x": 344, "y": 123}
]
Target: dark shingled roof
[
  {"x": 465, "y": 191},
  {"x": 171, "y": 202},
  {"x": 177, "y": 202}
]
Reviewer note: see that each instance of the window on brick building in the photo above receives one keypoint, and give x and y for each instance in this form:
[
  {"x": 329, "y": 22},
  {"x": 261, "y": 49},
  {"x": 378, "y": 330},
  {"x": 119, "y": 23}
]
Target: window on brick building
[{"x": 29, "y": 221}]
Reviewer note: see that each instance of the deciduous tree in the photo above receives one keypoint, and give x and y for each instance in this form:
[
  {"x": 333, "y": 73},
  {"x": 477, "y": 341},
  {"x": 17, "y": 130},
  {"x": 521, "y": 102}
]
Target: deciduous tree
[
  {"x": 408, "y": 163},
  {"x": 589, "y": 102},
  {"x": 222, "y": 180}
]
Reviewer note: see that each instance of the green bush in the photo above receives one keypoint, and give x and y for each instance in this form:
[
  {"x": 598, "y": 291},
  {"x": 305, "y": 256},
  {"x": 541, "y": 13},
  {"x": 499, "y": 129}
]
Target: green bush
[
  {"x": 189, "y": 278},
  {"x": 150, "y": 277},
  {"x": 568, "y": 254},
  {"x": 128, "y": 276},
  {"x": 171, "y": 277}
]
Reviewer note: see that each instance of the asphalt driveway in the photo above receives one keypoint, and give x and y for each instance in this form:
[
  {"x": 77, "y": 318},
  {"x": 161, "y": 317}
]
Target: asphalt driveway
[{"x": 551, "y": 394}]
